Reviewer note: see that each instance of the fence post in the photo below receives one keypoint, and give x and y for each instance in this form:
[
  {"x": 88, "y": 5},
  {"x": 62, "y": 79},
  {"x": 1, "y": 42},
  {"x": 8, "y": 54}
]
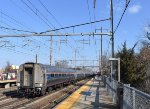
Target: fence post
[
  {"x": 113, "y": 94},
  {"x": 133, "y": 98}
]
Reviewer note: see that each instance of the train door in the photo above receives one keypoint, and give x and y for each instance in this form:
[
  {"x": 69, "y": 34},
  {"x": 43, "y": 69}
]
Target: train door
[
  {"x": 45, "y": 78},
  {"x": 28, "y": 77}
]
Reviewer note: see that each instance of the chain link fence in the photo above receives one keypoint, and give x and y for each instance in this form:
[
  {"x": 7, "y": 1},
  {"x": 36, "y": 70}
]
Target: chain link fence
[
  {"x": 125, "y": 96},
  {"x": 135, "y": 99}
]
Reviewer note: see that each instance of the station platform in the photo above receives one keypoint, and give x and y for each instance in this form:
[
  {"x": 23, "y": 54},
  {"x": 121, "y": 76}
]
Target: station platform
[
  {"x": 7, "y": 83},
  {"x": 93, "y": 95}
]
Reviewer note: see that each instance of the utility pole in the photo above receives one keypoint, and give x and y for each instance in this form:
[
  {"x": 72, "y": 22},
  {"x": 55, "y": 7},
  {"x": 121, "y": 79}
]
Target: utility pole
[
  {"x": 112, "y": 34},
  {"x": 101, "y": 52},
  {"x": 51, "y": 41}
]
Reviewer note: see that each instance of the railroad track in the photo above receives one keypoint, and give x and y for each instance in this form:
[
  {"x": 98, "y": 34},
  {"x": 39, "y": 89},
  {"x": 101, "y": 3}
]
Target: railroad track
[
  {"x": 51, "y": 100},
  {"x": 13, "y": 100}
]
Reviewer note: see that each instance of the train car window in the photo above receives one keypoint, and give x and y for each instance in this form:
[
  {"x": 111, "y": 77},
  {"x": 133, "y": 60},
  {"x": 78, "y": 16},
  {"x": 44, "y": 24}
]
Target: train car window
[
  {"x": 59, "y": 75},
  {"x": 52, "y": 75}
]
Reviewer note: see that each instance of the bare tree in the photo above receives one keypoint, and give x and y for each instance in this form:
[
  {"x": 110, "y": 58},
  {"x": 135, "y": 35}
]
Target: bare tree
[
  {"x": 105, "y": 65},
  {"x": 7, "y": 67}
]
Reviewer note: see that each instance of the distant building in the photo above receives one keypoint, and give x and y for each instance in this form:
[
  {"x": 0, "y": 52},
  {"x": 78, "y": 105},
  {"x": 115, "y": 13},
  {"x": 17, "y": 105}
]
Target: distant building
[
  {"x": 14, "y": 67},
  {"x": 10, "y": 73},
  {"x": 1, "y": 70}
]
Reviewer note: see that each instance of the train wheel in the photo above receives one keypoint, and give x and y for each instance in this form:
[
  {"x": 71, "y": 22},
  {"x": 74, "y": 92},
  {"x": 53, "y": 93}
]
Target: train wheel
[
  {"x": 49, "y": 89},
  {"x": 43, "y": 92}
]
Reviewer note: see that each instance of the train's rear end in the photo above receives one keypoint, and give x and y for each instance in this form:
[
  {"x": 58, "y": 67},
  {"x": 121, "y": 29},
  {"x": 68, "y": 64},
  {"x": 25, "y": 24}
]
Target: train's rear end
[{"x": 27, "y": 79}]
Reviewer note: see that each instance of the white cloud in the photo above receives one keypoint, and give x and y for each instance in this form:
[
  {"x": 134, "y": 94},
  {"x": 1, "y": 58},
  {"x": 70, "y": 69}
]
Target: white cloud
[
  {"x": 147, "y": 29},
  {"x": 134, "y": 9}
]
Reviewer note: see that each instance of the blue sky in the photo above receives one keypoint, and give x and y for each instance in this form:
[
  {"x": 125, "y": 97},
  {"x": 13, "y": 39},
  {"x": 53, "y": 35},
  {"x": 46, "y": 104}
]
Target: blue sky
[{"x": 16, "y": 14}]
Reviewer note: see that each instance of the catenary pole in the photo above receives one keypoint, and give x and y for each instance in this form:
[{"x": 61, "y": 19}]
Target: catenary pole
[
  {"x": 112, "y": 34},
  {"x": 101, "y": 51},
  {"x": 51, "y": 50}
]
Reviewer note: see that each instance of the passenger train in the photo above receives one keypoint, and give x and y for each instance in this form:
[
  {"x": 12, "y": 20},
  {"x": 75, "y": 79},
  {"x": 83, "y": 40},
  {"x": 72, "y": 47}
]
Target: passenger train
[{"x": 36, "y": 78}]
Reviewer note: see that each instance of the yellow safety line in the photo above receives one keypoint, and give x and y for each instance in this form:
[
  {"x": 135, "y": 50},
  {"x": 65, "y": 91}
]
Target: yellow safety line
[{"x": 67, "y": 104}]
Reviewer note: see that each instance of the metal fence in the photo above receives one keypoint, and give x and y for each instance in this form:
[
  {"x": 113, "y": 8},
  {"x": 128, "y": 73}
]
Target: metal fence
[
  {"x": 135, "y": 99},
  {"x": 125, "y": 96}
]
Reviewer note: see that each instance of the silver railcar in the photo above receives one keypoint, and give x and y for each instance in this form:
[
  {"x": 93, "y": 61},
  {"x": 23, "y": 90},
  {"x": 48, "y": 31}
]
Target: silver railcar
[{"x": 37, "y": 78}]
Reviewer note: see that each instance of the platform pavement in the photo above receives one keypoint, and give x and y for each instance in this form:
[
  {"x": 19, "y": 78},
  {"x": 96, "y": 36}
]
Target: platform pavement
[{"x": 92, "y": 95}]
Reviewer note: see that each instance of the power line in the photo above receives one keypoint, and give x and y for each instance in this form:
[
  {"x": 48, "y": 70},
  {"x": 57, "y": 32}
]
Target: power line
[
  {"x": 14, "y": 29},
  {"x": 38, "y": 41},
  {"x": 76, "y": 25},
  {"x": 75, "y": 34},
  {"x": 18, "y": 30},
  {"x": 94, "y": 16},
  {"x": 36, "y": 14},
  {"x": 50, "y": 13},
  {"x": 89, "y": 13},
  {"x": 53, "y": 18},
  {"x": 41, "y": 13},
  {"x": 23, "y": 10},
  {"x": 127, "y": 4},
  {"x": 12, "y": 18}
]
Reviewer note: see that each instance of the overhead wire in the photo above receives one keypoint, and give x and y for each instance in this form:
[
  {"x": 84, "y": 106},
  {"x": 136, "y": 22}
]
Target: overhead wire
[
  {"x": 89, "y": 12},
  {"x": 2, "y": 27},
  {"x": 57, "y": 30},
  {"x": 23, "y": 10},
  {"x": 51, "y": 14},
  {"x": 36, "y": 14},
  {"x": 76, "y": 25},
  {"x": 127, "y": 4},
  {"x": 39, "y": 41},
  {"x": 53, "y": 18},
  {"x": 14, "y": 29},
  {"x": 41, "y": 14},
  {"x": 94, "y": 9},
  {"x": 37, "y": 10},
  {"x": 14, "y": 20},
  {"x": 6, "y": 28},
  {"x": 42, "y": 4}
]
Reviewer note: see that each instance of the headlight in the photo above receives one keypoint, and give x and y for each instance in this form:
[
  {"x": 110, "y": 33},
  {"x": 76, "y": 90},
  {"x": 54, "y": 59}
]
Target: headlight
[
  {"x": 39, "y": 88},
  {"x": 40, "y": 85},
  {"x": 18, "y": 84}
]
